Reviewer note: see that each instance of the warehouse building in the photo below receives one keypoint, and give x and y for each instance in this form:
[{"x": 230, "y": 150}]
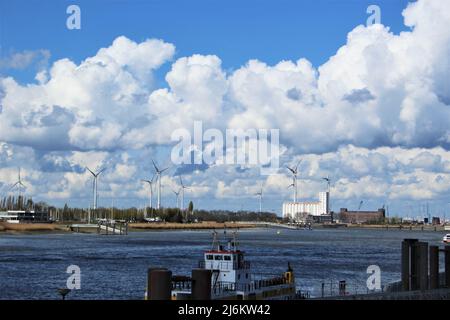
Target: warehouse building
[
  {"x": 346, "y": 216},
  {"x": 300, "y": 210}
]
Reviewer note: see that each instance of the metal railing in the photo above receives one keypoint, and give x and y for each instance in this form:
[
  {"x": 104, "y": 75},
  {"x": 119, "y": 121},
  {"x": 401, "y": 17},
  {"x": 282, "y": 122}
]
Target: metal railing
[
  {"x": 336, "y": 288},
  {"x": 225, "y": 265}
]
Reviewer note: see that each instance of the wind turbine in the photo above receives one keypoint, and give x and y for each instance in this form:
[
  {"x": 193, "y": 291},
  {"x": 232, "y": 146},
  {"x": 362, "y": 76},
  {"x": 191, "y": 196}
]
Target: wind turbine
[
  {"x": 328, "y": 180},
  {"x": 260, "y": 194},
  {"x": 18, "y": 184},
  {"x": 94, "y": 185},
  {"x": 150, "y": 183},
  {"x": 158, "y": 177},
  {"x": 294, "y": 171},
  {"x": 177, "y": 194},
  {"x": 182, "y": 193}
]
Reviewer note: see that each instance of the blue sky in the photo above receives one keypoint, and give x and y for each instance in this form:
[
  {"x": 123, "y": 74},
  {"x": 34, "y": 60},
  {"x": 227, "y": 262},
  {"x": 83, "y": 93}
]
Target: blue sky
[
  {"x": 237, "y": 31},
  {"x": 367, "y": 105}
]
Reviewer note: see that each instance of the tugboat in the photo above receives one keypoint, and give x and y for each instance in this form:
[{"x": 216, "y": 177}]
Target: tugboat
[{"x": 231, "y": 277}]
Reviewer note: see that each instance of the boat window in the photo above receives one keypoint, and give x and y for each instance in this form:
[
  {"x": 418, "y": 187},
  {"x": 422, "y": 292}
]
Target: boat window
[
  {"x": 209, "y": 257},
  {"x": 217, "y": 257},
  {"x": 228, "y": 258}
]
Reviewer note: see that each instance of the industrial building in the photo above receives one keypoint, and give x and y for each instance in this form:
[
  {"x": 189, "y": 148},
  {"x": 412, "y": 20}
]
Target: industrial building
[
  {"x": 346, "y": 216},
  {"x": 20, "y": 216},
  {"x": 299, "y": 211}
]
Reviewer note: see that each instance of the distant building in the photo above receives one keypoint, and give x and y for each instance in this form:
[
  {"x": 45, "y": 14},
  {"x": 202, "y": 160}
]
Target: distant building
[
  {"x": 346, "y": 216},
  {"x": 16, "y": 216},
  {"x": 436, "y": 221},
  {"x": 301, "y": 210}
]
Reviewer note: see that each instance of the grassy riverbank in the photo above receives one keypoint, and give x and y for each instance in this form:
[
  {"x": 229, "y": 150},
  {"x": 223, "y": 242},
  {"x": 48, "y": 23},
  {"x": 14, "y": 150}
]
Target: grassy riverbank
[{"x": 31, "y": 227}]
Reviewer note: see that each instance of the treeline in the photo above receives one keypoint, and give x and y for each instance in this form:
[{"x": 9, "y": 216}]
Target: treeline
[
  {"x": 225, "y": 215},
  {"x": 68, "y": 214},
  {"x": 18, "y": 203},
  {"x": 164, "y": 214}
]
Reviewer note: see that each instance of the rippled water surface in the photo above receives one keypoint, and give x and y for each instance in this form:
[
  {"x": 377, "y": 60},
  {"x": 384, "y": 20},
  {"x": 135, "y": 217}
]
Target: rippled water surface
[{"x": 115, "y": 267}]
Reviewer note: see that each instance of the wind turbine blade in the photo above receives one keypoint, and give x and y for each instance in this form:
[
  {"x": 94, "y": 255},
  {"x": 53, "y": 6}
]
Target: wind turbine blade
[
  {"x": 15, "y": 184},
  {"x": 91, "y": 171},
  {"x": 98, "y": 173},
  {"x": 154, "y": 165},
  {"x": 164, "y": 169},
  {"x": 291, "y": 170}
]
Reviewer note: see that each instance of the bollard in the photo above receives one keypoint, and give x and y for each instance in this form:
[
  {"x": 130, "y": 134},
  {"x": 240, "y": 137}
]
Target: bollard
[
  {"x": 342, "y": 286},
  {"x": 422, "y": 265},
  {"x": 201, "y": 284},
  {"x": 159, "y": 284},
  {"x": 447, "y": 266},
  {"x": 408, "y": 264},
  {"x": 434, "y": 267}
]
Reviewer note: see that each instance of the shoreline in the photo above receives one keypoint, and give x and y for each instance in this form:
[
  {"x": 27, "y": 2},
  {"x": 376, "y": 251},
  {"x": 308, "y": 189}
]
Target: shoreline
[{"x": 56, "y": 228}]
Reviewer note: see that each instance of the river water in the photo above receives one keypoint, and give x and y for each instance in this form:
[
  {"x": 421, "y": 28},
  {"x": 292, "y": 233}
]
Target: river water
[{"x": 115, "y": 267}]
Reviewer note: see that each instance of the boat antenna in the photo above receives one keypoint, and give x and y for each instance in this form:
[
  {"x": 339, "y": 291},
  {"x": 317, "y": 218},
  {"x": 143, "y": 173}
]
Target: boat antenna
[
  {"x": 235, "y": 240},
  {"x": 215, "y": 243}
]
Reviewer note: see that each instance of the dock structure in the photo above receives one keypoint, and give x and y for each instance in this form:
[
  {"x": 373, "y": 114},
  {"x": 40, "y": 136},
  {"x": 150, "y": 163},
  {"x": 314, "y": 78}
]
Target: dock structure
[
  {"x": 105, "y": 227},
  {"x": 420, "y": 276}
]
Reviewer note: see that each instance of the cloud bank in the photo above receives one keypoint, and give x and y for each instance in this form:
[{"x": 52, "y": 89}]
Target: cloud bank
[{"x": 376, "y": 114}]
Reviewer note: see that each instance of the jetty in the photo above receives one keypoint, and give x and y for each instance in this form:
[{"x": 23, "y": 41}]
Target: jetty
[{"x": 103, "y": 226}]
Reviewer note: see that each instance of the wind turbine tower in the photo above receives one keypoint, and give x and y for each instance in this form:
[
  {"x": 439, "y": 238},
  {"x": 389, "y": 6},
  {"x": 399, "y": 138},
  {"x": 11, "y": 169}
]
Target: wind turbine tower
[
  {"x": 19, "y": 184},
  {"x": 260, "y": 195},
  {"x": 150, "y": 183},
  {"x": 95, "y": 186},
  {"x": 182, "y": 192},
  {"x": 158, "y": 177},
  {"x": 177, "y": 194},
  {"x": 294, "y": 172}
]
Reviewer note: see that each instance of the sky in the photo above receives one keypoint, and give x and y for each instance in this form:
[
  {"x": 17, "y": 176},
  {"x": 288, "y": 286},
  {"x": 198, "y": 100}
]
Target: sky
[{"x": 365, "y": 104}]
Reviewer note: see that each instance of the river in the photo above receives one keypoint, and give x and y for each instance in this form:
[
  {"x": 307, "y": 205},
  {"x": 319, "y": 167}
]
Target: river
[{"x": 115, "y": 267}]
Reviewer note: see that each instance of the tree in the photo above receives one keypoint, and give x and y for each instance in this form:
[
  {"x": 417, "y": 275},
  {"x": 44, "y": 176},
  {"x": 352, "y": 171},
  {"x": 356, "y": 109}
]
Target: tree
[{"x": 191, "y": 207}]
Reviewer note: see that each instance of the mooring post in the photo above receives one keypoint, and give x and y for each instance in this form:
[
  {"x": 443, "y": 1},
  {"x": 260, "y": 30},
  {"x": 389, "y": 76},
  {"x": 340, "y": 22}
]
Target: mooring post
[
  {"x": 201, "y": 284},
  {"x": 447, "y": 266},
  {"x": 159, "y": 284},
  {"x": 342, "y": 286},
  {"x": 408, "y": 263},
  {"x": 434, "y": 267},
  {"x": 422, "y": 253}
]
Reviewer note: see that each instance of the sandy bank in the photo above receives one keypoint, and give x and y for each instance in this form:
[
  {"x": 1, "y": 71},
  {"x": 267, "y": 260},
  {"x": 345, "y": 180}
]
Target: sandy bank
[{"x": 30, "y": 227}]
